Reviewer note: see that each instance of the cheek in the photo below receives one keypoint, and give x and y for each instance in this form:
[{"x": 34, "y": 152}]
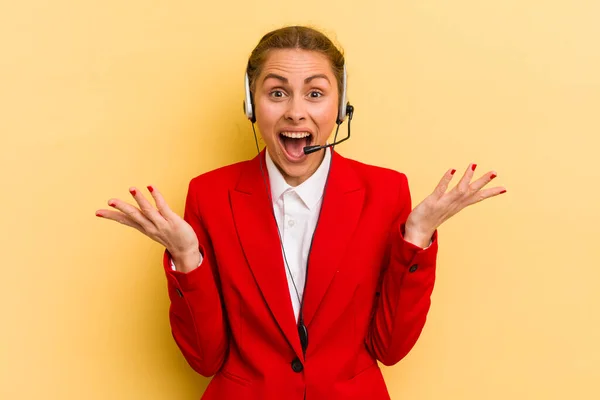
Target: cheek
[
  {"x": 268, "y": 113},
  {"x": 325, "y": 115},
  {"x": 267, "y": 116}
]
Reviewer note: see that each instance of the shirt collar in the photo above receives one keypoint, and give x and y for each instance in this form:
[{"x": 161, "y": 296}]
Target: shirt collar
[{"x": 310, "y": 191}]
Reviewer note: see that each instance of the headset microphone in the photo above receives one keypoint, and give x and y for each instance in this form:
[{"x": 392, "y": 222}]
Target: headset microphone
[{"x": 312, "y": 149}]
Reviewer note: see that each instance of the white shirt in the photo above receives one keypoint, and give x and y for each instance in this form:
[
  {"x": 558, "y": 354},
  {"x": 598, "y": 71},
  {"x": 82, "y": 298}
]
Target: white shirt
[{"x": 296, "y": 211}]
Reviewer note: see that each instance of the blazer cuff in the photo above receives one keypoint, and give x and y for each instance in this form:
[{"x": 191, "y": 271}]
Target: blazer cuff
[
  {"x": 185, "y": 281},
  {"x": 175, "y": 268},
  {"x": 408, "y": 253}
]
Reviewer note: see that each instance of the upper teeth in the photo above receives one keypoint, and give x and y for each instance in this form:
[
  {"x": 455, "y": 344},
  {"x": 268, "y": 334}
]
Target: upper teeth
[{"x": 295, "y": 135}]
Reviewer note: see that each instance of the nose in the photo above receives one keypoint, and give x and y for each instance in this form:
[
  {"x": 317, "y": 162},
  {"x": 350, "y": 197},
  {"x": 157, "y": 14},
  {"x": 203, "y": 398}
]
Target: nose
[{"x": 295, "y": 110}]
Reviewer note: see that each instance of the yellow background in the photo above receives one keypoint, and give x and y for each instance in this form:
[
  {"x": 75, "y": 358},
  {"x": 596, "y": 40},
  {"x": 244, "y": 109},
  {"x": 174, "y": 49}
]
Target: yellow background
[{"x": 97, "y": 96}]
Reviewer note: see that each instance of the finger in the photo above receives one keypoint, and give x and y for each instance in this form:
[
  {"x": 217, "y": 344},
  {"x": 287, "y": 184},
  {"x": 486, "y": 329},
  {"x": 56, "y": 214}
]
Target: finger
[
  {"x": 119, "y": 217},
  {"x": 463, "y": 184},
  {"x": 462, "y": 188},
  {"x": 442, "y": 186},
  {"x": 147, "y": 208},
  {"x": 161, "y": 204},
  {"x": 484, "y": 180},
  {"x": 487, "y": 194},
  {"x": 134, "y": 214}
]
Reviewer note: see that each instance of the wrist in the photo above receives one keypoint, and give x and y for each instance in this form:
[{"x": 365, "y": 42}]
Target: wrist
[
  {"x": 417, "y": 237},
  {"x": 187, "y": 261}
]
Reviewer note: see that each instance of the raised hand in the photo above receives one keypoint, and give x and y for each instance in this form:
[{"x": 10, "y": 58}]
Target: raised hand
[
  {"x": 442, "y": 204},
  {"x": 159, "y": 223}
]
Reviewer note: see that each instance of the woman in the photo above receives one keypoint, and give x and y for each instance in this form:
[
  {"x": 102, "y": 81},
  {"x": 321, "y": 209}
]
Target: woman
[{"x": 292, "y": 274}]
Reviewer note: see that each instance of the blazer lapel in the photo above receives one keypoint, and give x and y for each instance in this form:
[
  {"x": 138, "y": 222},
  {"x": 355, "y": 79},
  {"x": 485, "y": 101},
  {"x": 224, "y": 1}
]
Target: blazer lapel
[
  {"x": 340, "y": 212},
  {"x": 257, "y": 231}
]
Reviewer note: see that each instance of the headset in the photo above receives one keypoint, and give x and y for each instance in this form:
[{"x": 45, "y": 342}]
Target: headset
[{"x": 345, "y": 109}]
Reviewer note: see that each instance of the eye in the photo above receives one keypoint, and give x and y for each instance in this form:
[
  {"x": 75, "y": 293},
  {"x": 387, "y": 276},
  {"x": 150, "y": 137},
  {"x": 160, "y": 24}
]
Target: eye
[
  {"x": 315, "y": 94},
  {"x": 276, "y": 93}
]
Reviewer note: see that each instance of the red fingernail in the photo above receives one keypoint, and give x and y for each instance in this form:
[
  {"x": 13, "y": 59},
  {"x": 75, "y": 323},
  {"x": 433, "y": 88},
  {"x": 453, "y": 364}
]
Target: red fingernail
[
  {"x": 133, "y": 192},
  {"x": 493, "y": 176},
  {"x": 112, "y": 204},
  {"x": 473, "y": 167},
  {"x": 452, "y": 172},
  {"x": 151, "y": 189},
  {"x": 98, "y": 215},
  {"x": 504, "y": 191}
]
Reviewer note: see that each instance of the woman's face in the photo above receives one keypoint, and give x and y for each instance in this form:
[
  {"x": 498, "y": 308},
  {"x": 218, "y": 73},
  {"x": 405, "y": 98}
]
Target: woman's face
[{"x": 296, "y": 104}]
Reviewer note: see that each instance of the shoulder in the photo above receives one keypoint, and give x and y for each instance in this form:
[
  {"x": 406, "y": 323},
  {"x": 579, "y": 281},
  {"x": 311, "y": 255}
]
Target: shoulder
[
  {"x": 386, "y": 190},
  {"x": 208, "y": 193}
]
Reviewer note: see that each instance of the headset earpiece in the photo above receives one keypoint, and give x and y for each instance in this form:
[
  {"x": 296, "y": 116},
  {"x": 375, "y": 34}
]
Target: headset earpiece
[
  {"x": 248, "y": 103},
  {"x": 343, "y": 105},
  {"x": 349, "y": 111}
]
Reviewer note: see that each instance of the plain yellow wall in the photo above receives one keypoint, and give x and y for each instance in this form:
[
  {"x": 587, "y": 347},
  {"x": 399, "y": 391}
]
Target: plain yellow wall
[{"x": 96, "y": 96}]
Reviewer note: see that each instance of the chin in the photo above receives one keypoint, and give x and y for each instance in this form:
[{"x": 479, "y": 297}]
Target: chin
[{"x": 296, "y": 172}]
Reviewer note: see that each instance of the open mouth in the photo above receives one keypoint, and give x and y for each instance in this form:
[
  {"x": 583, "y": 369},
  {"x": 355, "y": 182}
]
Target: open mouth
[{"x": 293, "y": 143}]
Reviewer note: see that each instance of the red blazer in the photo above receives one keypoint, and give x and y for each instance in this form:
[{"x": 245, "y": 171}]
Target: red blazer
[{"x": 367, "y": 293}]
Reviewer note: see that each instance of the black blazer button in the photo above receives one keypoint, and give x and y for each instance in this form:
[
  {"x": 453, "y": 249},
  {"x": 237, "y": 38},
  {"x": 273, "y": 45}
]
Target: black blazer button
[
  {"x": 297, "y": 365},
  {"x": 413, "y": 268}
]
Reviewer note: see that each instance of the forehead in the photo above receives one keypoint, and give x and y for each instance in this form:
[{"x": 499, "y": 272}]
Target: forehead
[{"x": 296, "y": 62}]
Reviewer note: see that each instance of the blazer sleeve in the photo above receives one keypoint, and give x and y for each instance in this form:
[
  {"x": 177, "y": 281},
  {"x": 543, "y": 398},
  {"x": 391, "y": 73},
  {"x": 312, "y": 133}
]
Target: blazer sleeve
[
  {"x": 403, "y": 295},
  {"x": 196, "y": 315}
]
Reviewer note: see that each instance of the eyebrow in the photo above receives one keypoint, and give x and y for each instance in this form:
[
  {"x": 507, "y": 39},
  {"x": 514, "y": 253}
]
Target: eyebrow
[
  {"x": 310, "y": 78},
  {"x": 285, "y": 80}
]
